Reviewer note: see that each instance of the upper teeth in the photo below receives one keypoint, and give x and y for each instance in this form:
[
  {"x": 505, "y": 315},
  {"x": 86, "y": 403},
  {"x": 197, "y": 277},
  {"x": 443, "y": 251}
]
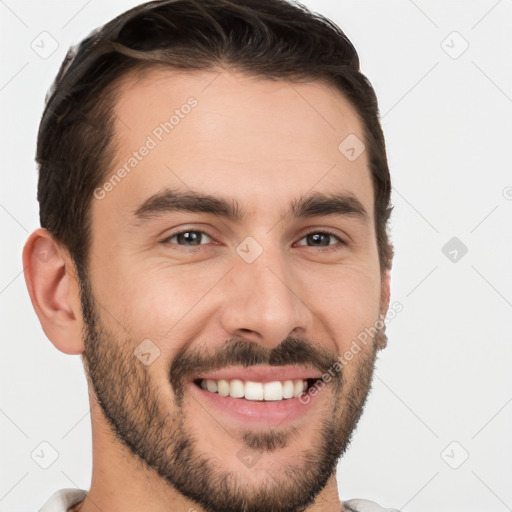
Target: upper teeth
[{"x": 236, "y": 388}]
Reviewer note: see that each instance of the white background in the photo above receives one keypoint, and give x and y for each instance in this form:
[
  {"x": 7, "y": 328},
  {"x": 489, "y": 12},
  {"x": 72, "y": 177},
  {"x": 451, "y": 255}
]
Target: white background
[{"x": 445, "y": 375}]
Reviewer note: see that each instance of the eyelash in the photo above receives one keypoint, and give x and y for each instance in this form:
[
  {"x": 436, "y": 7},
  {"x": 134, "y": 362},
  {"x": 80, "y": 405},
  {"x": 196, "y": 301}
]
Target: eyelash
[{"x": 329, "y": 248}]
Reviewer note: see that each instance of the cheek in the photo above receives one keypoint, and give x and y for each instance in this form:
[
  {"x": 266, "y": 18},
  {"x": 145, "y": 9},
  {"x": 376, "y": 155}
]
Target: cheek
[
  {"x": 348, "y": 302},
  {"x": 156, "y": 300}
]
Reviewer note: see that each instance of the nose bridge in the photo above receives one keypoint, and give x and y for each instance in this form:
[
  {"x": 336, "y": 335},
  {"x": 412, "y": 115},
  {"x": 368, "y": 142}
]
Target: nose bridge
[{"x": 263, "y": 298}]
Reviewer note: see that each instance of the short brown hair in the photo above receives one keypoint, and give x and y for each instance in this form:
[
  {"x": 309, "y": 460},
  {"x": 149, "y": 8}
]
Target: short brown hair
[{"x": 273, "y": 39}]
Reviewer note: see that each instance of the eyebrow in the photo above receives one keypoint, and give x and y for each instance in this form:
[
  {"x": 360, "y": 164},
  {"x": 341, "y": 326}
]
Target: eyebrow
[{"x": 309, "y": 205}]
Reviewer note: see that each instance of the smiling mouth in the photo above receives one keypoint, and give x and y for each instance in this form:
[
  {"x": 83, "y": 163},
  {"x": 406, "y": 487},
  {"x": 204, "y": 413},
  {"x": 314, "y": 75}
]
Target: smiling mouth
[{"x": 274, "y": 391}]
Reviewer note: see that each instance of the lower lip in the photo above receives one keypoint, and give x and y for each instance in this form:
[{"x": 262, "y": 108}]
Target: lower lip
[{"x": 257, "y": 413}]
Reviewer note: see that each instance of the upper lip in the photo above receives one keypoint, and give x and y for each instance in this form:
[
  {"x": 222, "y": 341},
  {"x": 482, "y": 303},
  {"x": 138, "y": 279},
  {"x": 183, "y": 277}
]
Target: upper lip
[{"x": 261, "y": 373}]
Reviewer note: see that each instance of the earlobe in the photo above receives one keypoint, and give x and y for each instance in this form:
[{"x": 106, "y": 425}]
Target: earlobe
[{"x": 54, "y": 292}]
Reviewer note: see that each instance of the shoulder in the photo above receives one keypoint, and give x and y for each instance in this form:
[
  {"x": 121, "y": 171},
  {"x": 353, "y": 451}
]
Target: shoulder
[
  {"x": 61, "y": 500},
  {"x": 365, "y": 506}
]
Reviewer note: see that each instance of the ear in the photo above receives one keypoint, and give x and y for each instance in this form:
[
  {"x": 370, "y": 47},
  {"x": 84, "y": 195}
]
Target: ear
[
  {"x": 52, "y": 283},
  {"x": 385, "y": 293},
  {"x": 381, "y": 339}
]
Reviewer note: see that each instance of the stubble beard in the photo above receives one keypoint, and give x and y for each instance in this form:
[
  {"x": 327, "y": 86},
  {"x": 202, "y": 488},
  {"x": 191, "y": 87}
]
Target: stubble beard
[{"x": 161, "y": 439}]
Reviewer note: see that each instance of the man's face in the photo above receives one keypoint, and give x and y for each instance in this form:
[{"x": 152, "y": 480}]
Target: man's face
[{"x": 271, "y": 290}]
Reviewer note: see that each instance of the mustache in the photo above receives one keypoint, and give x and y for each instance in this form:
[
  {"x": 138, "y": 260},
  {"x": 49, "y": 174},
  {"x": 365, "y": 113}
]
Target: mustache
[{"x": 240, "y": 352}]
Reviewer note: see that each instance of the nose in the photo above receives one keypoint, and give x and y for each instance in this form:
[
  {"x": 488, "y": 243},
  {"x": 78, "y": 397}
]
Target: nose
[{"x": 266, "y": 302}]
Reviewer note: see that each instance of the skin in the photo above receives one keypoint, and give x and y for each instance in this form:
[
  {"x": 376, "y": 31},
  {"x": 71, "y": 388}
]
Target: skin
[{"x": 263, "y": 143}]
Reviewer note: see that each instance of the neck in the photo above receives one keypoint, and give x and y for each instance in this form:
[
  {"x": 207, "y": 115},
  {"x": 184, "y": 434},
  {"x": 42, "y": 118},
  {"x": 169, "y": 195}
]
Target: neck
[{"x": 326, "y": 501}]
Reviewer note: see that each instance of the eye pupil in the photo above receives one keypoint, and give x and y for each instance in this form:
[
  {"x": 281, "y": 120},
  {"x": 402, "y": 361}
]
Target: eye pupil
[
  {"x": 319, "y": 239},
  {"x": 190, "y": 237}
]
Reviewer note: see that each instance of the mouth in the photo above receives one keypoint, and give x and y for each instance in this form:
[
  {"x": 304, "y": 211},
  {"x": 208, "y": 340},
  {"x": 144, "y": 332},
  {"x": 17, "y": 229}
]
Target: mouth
[{"x": 257, "y": 396}]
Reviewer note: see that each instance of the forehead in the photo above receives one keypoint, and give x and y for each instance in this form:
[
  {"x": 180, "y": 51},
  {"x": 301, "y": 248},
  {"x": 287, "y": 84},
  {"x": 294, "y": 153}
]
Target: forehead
[{"x": 225, "y": 132}]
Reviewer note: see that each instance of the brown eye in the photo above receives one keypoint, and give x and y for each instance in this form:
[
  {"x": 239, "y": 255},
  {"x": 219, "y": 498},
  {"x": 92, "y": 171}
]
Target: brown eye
[
  {"x": 320, "y": 239},
  {"x": 188, "y": 238}
]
